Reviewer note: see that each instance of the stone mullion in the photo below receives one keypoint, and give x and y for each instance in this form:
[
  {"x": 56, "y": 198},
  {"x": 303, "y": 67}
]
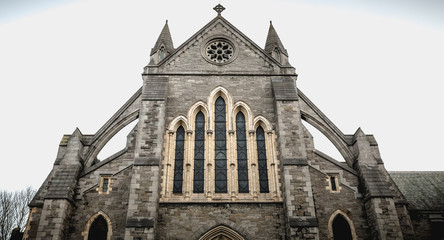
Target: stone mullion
[
  {"x": 272, "y": 176},
  {"x": 188, "y": 163},
  {"x": 209, "y": 173},
  {"x": 231, "y": 162},
  {"x": 252, "y": 162},
  {"x": 167, "y": 180}
]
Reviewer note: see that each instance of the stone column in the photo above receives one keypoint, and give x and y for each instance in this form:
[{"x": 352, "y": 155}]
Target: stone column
[
  {"x": 143, "y": 200},
  {"x": 301, "y": 221}
]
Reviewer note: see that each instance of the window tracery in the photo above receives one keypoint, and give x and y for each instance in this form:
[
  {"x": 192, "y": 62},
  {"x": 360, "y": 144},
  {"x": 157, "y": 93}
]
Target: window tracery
[
  {"x": 216, "y": 160},
  {"x": 242, "y": 160},
  {"x": 220, "y": 146},
  {"x": 262, "y": 160},
  {"x": 199, "y": 153},
  {"x": 178, "y": 160}
]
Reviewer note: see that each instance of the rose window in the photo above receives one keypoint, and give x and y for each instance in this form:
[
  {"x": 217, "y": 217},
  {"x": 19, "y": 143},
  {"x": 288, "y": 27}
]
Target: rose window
[{"x": 219, "y": 51}]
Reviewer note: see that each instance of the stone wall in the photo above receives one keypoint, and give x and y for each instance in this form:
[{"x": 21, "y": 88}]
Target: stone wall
[
  {"x": 184, "y": 91},
  {"x": 114, "y": 204},
  {"x": 191, "y": 220}
]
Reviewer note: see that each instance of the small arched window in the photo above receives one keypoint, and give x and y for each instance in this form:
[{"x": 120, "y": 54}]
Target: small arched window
[
  {"x": 220, "y": 146},
  {"x": 277, "y": 54},
  {"x": 262, "y": 160},
  {"x": 178, "y": 160},
  {"x": 161, "y": 53},
  {"x": 242, "y": 161},
  {"x": 199, "y": 153}
]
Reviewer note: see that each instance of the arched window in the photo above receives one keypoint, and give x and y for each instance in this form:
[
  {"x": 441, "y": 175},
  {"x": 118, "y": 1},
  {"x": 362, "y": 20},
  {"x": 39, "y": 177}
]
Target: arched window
[
  {"x": 199, "y": 153},
  {"x": 242, "y": 161},
  {"x": 161, "y": 53},
  {"x": 341, "y": 228},
  {"x": 178, "y": 160},
  {"x": 220, "y": 146},
  {"x": 98, "y": 229},
  {"x": 277, "y": 54},
  {"x": 262, "y": 160}
]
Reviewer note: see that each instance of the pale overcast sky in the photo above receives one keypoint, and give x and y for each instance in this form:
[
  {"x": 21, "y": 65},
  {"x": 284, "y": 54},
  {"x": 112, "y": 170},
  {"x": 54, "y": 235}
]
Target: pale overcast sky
[{"x": 372, "y": 64}]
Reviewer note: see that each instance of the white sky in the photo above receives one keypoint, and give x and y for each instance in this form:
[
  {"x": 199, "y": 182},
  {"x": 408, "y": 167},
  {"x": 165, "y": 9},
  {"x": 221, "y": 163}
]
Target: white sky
[{"x": 64, "y": 64}]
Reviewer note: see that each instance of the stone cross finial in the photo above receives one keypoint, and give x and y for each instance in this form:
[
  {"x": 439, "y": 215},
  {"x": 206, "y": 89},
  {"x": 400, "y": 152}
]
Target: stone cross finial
[{"x": 219, "y": 8}]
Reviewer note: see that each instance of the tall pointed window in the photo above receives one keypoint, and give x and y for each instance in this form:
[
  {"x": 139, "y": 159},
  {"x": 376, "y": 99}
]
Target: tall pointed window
[
  {"x": 178, "y": 160},
  {"x": 220, "y": 146},
  {"x": 262, "y": 160},
  {"x": 242, "y": 161},
  {"x": 199, "y": 153}
]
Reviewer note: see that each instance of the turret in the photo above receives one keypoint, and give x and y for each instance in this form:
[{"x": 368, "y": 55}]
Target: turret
[
  {"x": 274, "y": 46},
  {"x": 163, "y": 47}
]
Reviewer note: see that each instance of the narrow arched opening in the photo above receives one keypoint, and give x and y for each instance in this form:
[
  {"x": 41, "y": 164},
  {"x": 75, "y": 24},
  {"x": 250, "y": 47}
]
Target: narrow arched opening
[
  {"x": 341, "y": 228},
  {"x": 98, "y": 229}
]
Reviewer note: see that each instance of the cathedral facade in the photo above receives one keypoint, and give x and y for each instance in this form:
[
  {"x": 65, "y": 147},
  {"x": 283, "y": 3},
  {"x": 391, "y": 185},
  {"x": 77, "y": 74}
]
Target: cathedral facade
[{"x": 219, "y": 151}]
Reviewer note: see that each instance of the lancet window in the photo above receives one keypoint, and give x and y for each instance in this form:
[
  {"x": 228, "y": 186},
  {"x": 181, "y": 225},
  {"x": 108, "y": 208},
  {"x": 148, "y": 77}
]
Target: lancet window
[
  {"x": 242, "y": 160},
  {"x": 178, "y": 160},
  {"x": 262, "y": 160},
  {"x": 220, "y": 146},
  {"x": 199, "y": 153},
  {"x": 220, "y": 151}
]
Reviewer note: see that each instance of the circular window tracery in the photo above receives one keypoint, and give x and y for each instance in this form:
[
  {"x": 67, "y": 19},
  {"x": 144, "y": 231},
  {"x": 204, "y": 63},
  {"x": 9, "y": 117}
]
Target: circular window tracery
[{"x": 219, "y": 51}]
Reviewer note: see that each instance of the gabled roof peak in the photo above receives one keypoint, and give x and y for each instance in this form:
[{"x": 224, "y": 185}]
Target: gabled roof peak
[{"x": 164, "y": 40}]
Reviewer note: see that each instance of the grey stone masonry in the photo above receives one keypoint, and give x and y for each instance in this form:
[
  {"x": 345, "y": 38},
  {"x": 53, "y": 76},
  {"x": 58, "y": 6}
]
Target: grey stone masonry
[
  {"x": 301, "y": 222},
  {"x": 144, "y": 187},
  {"x": 379, "y": 198}
]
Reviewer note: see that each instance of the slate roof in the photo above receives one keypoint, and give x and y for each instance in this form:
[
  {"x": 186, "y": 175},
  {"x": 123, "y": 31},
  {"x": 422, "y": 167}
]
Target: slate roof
[{"x": 423, "y": 190}]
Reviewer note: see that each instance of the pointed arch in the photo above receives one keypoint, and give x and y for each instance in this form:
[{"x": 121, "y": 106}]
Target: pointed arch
[
  {"x": 221, "y": 231},
  {"x": 97, "y": 218},
  {"x": 178, "y": 121},
  {"x": 261, "y": 121},
  {"x": 246, "y": 110},
  {"x": 342, "y": 217},
  {"x": 198, "y": 107},
  {"x": 220, "y": 92}
]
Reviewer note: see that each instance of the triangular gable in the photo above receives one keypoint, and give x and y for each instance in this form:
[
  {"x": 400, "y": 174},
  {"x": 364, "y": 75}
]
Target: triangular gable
[{"x": 185, "y": 56}]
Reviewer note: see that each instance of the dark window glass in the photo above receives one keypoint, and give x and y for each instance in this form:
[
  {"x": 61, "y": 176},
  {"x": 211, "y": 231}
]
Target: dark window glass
[
  {"x": 178, "y": 160},
  {"x": 105, "y": 184},
  {"x": 262, "y": 160},
  {"x": 220, "y": 146},
  {"x": 98, "y": 229},
  {"x": 341, "y": 228},
  {"x": 199, "y": 153},
  {"x": 333, "y": 183},
  {"x": 242, "y": 162}
]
